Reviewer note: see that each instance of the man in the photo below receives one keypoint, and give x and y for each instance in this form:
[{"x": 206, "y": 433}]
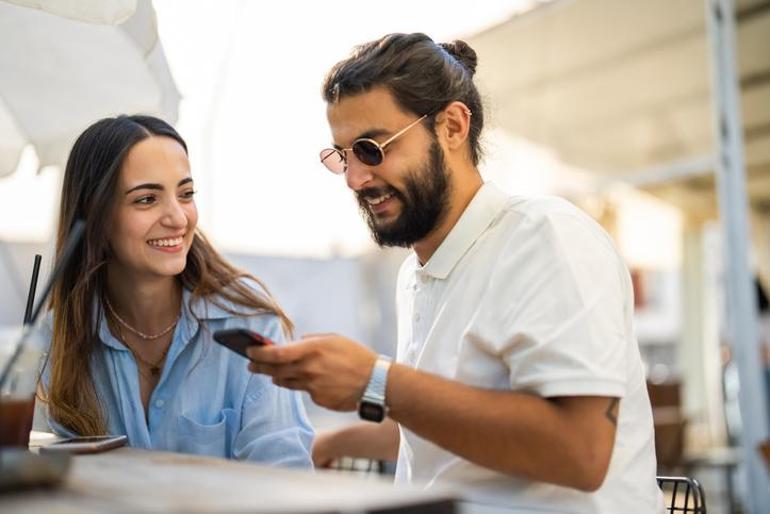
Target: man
[{"x": 518, "y": 377}]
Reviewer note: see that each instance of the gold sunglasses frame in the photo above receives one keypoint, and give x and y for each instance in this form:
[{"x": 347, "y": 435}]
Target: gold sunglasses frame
[{"x": 342, "y": 152}]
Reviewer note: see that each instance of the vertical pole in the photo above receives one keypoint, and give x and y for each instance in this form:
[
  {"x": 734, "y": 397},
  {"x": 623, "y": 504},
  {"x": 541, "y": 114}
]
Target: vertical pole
[{"x": 733, "y": 206}]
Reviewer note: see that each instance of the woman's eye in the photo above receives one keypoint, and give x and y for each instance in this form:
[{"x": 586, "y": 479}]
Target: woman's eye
[
  {"x": 188, "y": 195},
  {"x": 145, "y": 200}
]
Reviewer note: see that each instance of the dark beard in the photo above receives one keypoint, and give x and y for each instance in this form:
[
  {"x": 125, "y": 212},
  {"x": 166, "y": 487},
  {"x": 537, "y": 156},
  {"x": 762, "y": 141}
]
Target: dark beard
[{"x": 425, "y": 203}]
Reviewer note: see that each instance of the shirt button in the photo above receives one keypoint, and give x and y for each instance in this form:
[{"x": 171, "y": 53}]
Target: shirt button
[
  {"x": 417, "y": 316},
  {"x": 159, "y": 403}
]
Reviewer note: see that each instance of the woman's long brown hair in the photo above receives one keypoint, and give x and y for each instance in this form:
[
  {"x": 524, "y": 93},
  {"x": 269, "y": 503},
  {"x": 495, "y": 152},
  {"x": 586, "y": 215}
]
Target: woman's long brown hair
[{"x": 88, "y": 193}]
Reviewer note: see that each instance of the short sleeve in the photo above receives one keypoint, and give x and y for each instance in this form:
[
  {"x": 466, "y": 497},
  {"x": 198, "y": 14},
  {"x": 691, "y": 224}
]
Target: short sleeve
[{"x": 555, "y": 310}]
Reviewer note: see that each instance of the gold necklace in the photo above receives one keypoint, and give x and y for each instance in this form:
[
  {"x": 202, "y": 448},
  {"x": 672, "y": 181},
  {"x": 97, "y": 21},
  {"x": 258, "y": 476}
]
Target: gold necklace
[
  {"x": 146, "y": 337},
  {"x": 155, "y": 368}
]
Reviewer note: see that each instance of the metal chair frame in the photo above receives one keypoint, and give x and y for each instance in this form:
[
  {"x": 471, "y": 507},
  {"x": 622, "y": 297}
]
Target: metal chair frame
[{"x": 683, "y": 487}]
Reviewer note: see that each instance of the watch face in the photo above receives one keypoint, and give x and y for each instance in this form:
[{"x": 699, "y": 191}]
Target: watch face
[{"x": 371, "y": 411}]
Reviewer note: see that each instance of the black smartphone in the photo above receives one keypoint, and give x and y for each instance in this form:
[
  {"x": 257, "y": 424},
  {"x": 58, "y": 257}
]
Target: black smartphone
[
  {"x": 88, "y": 444},
  {"x": 238, "y": 339}
]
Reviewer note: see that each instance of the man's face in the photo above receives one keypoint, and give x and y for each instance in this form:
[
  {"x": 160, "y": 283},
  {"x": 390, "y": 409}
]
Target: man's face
[{"x": 406, "y": 196}]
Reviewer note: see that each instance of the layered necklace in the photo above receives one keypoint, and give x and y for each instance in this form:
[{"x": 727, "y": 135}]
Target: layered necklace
[{"x": 155, "y": 367}]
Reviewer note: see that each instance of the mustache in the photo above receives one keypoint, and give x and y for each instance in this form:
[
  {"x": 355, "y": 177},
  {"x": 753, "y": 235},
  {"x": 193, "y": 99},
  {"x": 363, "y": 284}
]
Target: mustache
[{"x": 376, "y": 192}]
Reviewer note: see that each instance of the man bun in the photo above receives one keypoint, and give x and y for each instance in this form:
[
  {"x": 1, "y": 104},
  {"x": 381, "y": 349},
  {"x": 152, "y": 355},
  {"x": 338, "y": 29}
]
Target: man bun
[{"x": 461, "y": 51}]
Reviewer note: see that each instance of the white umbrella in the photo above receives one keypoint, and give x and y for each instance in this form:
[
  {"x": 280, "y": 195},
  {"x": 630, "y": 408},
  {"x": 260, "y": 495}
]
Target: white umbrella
[
  {"x": 64, "y": 65},
  {"x": 110, "y": 12}
]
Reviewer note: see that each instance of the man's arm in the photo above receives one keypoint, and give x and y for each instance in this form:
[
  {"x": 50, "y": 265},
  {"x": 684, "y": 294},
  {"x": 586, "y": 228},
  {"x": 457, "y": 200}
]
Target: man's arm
[
  {"x": 363, "y": 440},
  {"x": 566, "y": 441}
]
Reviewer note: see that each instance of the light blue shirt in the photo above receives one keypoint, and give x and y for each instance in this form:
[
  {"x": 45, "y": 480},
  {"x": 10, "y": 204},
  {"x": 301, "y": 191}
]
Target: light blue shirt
[{"x": 206, "y": 402}]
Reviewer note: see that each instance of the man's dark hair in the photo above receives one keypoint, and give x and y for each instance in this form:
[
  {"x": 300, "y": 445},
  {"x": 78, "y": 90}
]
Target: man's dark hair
[{"x": 423, "y": 77}]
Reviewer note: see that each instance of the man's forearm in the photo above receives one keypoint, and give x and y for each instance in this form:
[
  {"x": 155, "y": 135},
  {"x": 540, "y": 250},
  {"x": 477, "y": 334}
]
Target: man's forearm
[{"x": 567, "y": 441}]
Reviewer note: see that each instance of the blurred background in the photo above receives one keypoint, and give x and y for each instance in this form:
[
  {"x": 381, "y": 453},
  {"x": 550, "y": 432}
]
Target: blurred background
[{"x": 611, "y": 104}]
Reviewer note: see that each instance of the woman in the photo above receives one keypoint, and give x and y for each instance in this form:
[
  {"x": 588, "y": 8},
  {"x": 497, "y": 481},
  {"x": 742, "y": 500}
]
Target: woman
[{"x": 133, "y": 317}]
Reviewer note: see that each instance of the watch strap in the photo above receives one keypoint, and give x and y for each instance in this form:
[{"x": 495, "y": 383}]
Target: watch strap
[{"x": 378, "y": 381}]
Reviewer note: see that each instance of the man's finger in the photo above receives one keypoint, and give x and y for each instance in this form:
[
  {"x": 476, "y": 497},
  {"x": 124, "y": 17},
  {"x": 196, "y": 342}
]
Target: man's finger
[
  {"x": 315, "y": 335},
  {"x": 290, "y": 383},
  {"x": 281, "y": 371},
  {"x": 276, "y": 354}
]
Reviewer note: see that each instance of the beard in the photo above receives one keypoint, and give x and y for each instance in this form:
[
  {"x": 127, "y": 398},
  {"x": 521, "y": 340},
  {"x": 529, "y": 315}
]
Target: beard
[{"x": 425, "y": 202}]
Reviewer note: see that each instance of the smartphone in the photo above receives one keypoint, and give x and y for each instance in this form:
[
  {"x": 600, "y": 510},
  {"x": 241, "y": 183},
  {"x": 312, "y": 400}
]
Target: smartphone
[
  {"x": 238, "y": 339},
  {"x": 90, "y": 444}
]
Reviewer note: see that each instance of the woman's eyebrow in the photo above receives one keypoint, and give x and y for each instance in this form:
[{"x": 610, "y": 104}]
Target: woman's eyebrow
[
  {"x": 158, "y": 187},
  {"x": 145, "y": 186}
]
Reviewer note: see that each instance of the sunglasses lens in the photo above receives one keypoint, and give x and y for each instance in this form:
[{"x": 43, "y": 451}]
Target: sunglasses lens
[
  {"x": 367, "y": 152},
  {"x": 333, "y": 160}
]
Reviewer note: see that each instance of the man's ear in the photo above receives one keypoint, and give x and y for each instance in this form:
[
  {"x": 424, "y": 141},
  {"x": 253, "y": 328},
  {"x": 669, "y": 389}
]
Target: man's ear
[{"x": 453, "y": 125}]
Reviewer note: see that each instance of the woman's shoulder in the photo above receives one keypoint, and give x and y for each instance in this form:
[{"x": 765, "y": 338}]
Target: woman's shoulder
[
  {"x": 243, "y": 304},
  {"x": 232, "y": 300}
]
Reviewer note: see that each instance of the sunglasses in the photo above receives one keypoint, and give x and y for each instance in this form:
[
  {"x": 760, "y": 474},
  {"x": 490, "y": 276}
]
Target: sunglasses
[{"x": 366, "y": 150}]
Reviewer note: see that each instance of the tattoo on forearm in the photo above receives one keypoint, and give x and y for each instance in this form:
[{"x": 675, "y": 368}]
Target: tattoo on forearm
[{"x": 612, "y": 411}]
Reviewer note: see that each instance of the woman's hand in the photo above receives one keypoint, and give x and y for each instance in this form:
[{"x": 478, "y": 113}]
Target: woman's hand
[{"x": 325, "y": 450}]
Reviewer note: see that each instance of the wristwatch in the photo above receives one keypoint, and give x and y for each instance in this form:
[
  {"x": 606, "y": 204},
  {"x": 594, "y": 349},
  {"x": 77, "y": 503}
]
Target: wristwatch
[{"x": 372, "y": 405}]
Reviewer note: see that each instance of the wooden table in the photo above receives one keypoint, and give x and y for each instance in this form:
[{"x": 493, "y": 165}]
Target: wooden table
[{"x": 141, "y": 481}]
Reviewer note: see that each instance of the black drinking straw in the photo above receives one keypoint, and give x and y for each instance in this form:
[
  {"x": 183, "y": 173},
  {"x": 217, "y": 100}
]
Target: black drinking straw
[
  {"x": 76, "y": 234},
  {"x": 32, "y": 289}
]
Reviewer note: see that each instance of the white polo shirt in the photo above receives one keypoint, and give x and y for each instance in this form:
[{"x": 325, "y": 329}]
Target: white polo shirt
[{"x": 528, "y": 295}]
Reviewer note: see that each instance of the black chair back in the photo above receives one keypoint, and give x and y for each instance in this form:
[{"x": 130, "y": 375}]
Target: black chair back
[{"x": 682, "y": 494}]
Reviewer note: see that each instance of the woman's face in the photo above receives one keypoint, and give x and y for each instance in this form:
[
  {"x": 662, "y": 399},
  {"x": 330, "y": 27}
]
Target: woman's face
[{"x": 154, "y": 218}]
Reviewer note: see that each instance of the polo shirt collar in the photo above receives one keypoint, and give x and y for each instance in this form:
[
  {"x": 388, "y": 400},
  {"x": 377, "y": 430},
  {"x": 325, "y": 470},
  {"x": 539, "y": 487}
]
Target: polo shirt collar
[{"x": 486, "y": 204}]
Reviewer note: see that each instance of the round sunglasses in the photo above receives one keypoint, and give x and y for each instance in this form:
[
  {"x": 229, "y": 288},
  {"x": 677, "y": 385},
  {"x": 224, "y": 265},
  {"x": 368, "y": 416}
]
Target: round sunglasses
[{"x": 366, "y": 150}]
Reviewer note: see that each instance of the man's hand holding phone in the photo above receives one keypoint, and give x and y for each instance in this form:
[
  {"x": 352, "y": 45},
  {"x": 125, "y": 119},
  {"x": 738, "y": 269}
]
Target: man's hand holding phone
[{"x": 332, "y": 368}]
